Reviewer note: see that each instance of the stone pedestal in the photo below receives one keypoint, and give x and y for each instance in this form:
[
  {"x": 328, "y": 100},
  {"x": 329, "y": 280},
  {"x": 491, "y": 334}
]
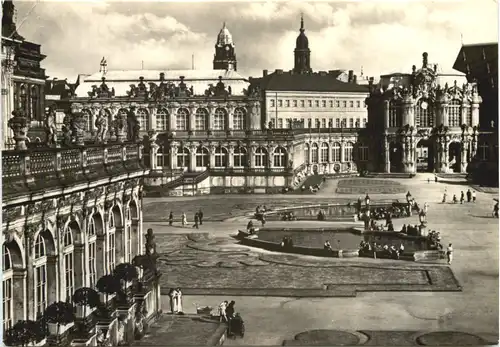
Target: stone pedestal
[{"x": 422, "y": 230}]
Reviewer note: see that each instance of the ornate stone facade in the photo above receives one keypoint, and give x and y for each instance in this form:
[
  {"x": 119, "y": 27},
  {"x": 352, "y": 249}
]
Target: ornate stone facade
[{"x": 424, "y": 121}]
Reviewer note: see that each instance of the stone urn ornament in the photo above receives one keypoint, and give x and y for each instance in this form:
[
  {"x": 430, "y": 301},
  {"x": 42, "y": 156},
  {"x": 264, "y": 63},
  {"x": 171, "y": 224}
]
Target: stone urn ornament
[
  {"x": 19, "y": 125},
  {"x": 78, "y": 120}
]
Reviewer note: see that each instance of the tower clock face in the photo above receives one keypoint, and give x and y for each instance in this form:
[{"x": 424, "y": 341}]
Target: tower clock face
[{"x": 227, "y": 48}]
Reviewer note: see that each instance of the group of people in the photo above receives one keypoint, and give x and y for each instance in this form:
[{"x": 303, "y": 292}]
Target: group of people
[
  {"x": 198, "y": 219},
  {"x": 288, "y": 216},
  {"x": 287, "y": 242},
  {"x": 386, "y": 251},
  {"x": 175, "y": 296},
  {"x": 470, "y": 195}
]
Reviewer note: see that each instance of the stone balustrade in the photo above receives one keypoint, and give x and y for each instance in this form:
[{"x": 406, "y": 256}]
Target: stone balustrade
[{"x": 17, "y": 164}]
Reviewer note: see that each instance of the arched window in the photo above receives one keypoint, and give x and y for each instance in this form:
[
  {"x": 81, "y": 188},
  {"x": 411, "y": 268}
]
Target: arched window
[
  {"x": 239, "y": 119},
  {"x": 69, "y": 263},
  {"x": 200, "y": 119},
  {"x": 7, "y": 283},
  {"x": 279, "y": 157},
  {"x": 40, "y": 275},
  {"x": 162, "y": 122},
  {"x": 91, "y": 231},
  {"x": 483, "y": 151},
  {"x": 363, "y": 152},
  {"x": 348, "y": 151},
  {"x": 183, "y": 157},
  {"x": 314, "y": 153},
  {"x": 143, "y": 119},
  {"x": 220, "y": 157},
  {"x": 34, "y": 109},
  {"x": 424, "y": 116},
  {"x": 454, "y": 111},
  {"x": 240, "y": 157},
  {"x": 181, "y": 121},
  {"x": 220, "y": 119},
  {"x": 88, "y": 120},
  {"x": 395, "y": 116},
  {"x": 111, "y": 251},
  {"x": 260, "y": 157},
  {"x": 162, "y": 157},
  {"x": 318, "y": 123},
  {"x": 202, "y": 157},
  {"x": 324, "y": 153},
  {"x": 306, "y": 153}
]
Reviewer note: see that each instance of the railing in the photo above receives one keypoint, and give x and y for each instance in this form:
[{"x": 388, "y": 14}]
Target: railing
[{"x": 40, "y": 161}]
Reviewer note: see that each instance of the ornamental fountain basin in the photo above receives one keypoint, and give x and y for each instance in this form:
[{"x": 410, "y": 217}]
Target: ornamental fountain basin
[{"x": 344, "y": 241}]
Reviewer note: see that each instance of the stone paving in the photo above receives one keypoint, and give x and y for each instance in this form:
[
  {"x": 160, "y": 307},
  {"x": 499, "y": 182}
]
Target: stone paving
[{"x": 271, "y": 320}]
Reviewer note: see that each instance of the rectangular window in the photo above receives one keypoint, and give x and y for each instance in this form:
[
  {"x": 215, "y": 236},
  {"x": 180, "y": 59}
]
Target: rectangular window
[
  {"x": 337, "y": 123},
  {"x": 364, "y": 122},
  {"x": 351, "y": 104},
  {"x": 199, "y": 122},
  {"x": 68, "y": 269},
  {"x": 358, "y": 104},
  {"x": 317, "y": 103},
  {"x": 111, "y": 252},
  {"x": 287, "y": 103},
  {"x": 7, "y": 304},
  {"x": 302, "y": 103},
  {"x": 92, "y": 264},
  {"x": 219, "y": 122},
  {"x": 289, "y": 123},
  {"x": 323, "y": 123},
  {"x": 41, "y": 289},
  {"x": 337, "y": 103},
  {"x": 323, "y": 157},
  {"x": 280, "y": 103},
  {"x": 280, "y": 123},
  {"x": 238, "y": 122},
  {"x": 351, "y": 122},
  {"x": 271, "y": 103},
  {"x": 294, "y": 103},
  {"x": 310, "y": 103},
  {"x": 323, "y": 103},
  {"x": 181, "y": 122},
  {"x": 331, "y": 103},
  {"x": 344, "y": 103}
]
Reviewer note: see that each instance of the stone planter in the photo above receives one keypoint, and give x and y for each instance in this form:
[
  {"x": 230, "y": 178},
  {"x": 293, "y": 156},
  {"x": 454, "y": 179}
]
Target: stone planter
[
  {"x": 82, "y": 311},
  {"x": 52, "y": 327},
  {"x": 31, "y": 344}
]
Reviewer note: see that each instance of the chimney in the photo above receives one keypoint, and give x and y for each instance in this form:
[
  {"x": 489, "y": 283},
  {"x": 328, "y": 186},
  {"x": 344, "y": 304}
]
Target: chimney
[
  {"x": 279, "y": 71},
  {"x": 264, "y": 73},
  {"x": 355, "y": 79},
  {"x": 322, "y": 73},
  {"x": 351, "y": 74},
  {"x": 330, "y": 72}
]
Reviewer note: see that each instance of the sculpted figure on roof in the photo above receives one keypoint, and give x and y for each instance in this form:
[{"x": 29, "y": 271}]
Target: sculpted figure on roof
[{"x": 101, "y": 124}]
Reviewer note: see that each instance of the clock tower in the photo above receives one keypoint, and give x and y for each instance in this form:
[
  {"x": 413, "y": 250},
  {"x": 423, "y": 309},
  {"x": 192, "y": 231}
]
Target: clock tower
[{"x": 224, "y": 57}]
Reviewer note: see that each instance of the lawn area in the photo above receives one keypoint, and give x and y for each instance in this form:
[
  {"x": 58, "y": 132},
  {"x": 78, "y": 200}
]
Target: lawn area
[
  {"x": 223, "y": 207},
  {"x": 361, "y": 186}
]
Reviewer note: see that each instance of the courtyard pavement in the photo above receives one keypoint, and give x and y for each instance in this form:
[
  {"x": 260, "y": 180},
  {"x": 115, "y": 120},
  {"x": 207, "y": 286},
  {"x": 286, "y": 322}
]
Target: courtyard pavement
[{"x": 271, "y": 320}]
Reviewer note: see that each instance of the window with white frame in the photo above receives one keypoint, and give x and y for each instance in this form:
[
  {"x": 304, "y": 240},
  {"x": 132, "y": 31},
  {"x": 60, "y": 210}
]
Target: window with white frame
[
  {"x": 306, "y": 153},
  {"x": 240, "y": 157},
  {"x": 323, "y": 123},
  {"x": 287, "y": 103},
  {"x": 348, "y": 151},
  {"x": 351, "y": 122},
  {"x": 239, "y": 119},
  {"x": 69, "y": 268},
  {"x": 323, "y": 103},
  {"x": 202, "y": 157},
  {"x": 344, "y": 104},
  {"x": 162, "y": 157},
  {"x": 220, "y": 119},
  {"x": 363, "y": 152},
  {"x": 271, "y": 103},
  {"x": 302, "y": 103},
  {"x": 337, "y": 123},
  {"x": 279, "y": 156},
  {"x": 454, "y": 115},
  {"x": 324, "y": 153},
  {"x": 423, "y": 114},
  {"x": 337, "y": 103},
  {"x": 357, "y": 124},
  {"x": 200, "y": 119},
  {"x": 91, "y": 231},
  {"x": 142, "y": 119},
  {"x": 294, "y": 103},
  {"x": 358, "y": 104},
  {"x": 331, "y": 103},
  {"x": 314, "y": 153},
  {"x": 183, "y": 157},
  {"x": 309, "y": 103},
  {"x": 336, "y": 152},
  {"x": 280, "y": 103},
  {"x": 221, "y": 157},
  {"x": 162, "y": 122},
  {"x": 7, "y": 285},
  {"x": 316, "y": 102},
  {"x": 111, "y": 252},
  {"x": 40, "y": 275},
  {"x": 289, "y": 123},
  {"x": 317, "y": 123},
  {"x": 280, "y": 123},
  {"x": 364, "y": 122},
  {"x": 395, "y": 116},
  {"x": 260, "y": 157},
  {"x": 182, "y": 119}
]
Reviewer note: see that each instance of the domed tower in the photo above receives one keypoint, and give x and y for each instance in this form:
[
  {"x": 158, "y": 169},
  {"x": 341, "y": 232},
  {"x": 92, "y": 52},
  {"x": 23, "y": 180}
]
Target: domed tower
[
  {"x": 302, "y": 52},
  {"x": 224, "y": 57}
]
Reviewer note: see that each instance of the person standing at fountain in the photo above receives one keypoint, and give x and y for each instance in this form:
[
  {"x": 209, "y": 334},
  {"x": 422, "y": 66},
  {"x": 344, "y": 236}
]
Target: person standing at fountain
[
  {"x": 171, "y": 296},
  {"x": 444, "y": 196},
  {"x": 449, "y": 253},
  {"x": 178, "y": 298},
  {"x": 184, "y": 220},
  {"x": 462, "y": 197},
  {"x": 170, "y": 218},
  {"x": 469, "y": 195},
  {"x": 200, "y": 215},
  {"x": 473, "y": 196},
  {"x": 367, "y": 200},
  {"x": 196, "y": 220}
]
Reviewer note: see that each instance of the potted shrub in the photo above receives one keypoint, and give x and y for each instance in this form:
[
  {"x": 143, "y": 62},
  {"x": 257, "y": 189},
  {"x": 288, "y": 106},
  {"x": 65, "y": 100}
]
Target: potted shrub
[
  {"x": 108, "y": 284},
  {"x": 127, "y": 273},
  {"x": 85, "y": 300},
  {"x": 59, "y": 317},
  {"x": 25, "y": 333}
]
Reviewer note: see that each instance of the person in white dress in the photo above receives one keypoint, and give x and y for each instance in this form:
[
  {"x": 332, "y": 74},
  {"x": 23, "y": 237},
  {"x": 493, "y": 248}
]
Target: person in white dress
[
  {"x": 184, "y": 220},
  {"x": 178, "y": 297},
  {"x": 222, "y": 311},
  {"x": 171, "y": 295},
  {"x": 449, "y": 254}
]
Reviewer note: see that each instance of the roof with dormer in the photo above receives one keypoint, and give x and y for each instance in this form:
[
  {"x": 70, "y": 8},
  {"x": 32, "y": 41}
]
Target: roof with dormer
[
  {"x": 121, "y": 80},
  {"x": 224, "y": 37}
]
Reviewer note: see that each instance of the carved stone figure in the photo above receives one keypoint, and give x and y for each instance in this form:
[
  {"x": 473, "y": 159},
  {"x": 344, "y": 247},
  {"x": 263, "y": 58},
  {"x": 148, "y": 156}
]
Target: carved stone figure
[
  {"x": 50, "y": 127},
  {"x": 101, "y": 124},
  {"x": 67, "y": 130},
  {"x": 152, "y": 136},
  {"x": 133, "y": 125},
  {"x": 78, "y": 121},
  {"x": 150, "y": 242},
  {"x": 120, "y": 127}
]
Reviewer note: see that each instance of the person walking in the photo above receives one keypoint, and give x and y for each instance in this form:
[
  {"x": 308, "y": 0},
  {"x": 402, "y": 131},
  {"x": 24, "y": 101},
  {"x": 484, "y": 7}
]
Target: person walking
[
  {"x": 196, "y": 219},
  {"x": 469, "y": 195},
  {"x": 184, "y": 220},
  {"x": 200, "y": 216},
  {"x": 462, "y": 197},
  {"x": 449, "y": 253},
  {"x": 473, "y": 196},
  {"x": 495, "y": 210},
  {"x": 170, "y": 218}
]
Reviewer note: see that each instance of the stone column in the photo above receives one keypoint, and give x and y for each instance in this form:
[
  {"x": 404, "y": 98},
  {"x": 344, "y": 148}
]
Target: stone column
[
  {"x": 19, "y": 295},
  {"x": 152, "y": 119},
  {"x": 211, "y": 115},
  {"x": 230, "y": 117},
  {"x": 192, "y": 113},
  {"x": 192, "y": 158},
  {"x": 80, "y": 269},
  {"x": 251, "y": 152},
  {"x": 230, "y": 159},
  {"x": 386, "y": 113},
  {"x": 407, "y": 108},
  {"x": 342, "y": 151},
  {"x": 173, "y": 157},
  {"x": 54, "y": 281},
  {"x": 476, "y": 100},
  {"x": 463, "y": 154},
  {"x": 211, "y": 151},
  {"x": 152, "y": 155},
  {"x": 387, "y": 157},
  {"x": 463, "y": 112},
  {"x": 172, "y": 117},
  {"x": 30, "y": 285}
]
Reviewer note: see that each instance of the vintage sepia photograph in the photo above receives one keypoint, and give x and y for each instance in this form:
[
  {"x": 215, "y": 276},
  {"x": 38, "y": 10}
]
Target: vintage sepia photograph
[{"x": 250, "y": 173}]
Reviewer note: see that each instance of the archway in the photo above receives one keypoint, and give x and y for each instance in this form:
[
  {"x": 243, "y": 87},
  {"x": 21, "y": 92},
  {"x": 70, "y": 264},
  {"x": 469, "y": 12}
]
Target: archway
[
  {"x": 395, "y": 156},
  {"x": 13, "y": 283},
  {"x": 425, "y": 156},
  {"x": 454, "y": 156}
]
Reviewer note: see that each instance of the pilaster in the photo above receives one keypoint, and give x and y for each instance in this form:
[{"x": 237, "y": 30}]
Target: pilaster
[
  {"x": 408, "y": 111},
  {"x": 386, "y": 110},
  {"x": 230, "y": 158},
  {"x": 192, "y": 158},
  {"x": 191, "y": 120},
  {"x": 211, "y": 150},
  {"x": 173, "y": 156}
]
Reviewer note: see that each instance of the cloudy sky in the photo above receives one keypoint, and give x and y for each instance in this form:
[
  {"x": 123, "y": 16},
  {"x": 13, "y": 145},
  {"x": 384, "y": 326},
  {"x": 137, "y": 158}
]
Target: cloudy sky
[{"x": 382, "y": 37}]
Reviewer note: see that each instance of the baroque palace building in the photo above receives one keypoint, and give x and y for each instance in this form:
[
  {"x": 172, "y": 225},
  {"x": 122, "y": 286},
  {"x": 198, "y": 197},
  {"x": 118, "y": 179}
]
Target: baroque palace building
[
  {"x": 424, "y": 121},
  {"x": 71, "y": 215}
]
